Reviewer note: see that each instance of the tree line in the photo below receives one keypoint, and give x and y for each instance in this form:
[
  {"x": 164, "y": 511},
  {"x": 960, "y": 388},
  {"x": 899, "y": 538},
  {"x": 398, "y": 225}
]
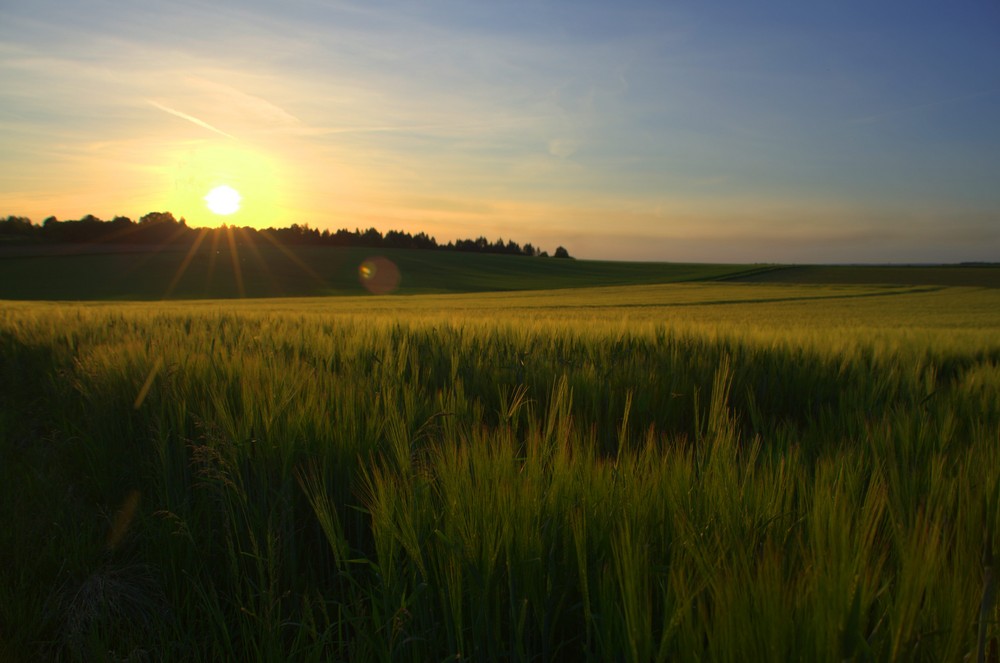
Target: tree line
[{"x": 163, "y": 228}]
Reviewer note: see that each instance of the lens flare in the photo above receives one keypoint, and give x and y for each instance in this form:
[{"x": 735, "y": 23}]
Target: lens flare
[{"x": 379, "y": 275}]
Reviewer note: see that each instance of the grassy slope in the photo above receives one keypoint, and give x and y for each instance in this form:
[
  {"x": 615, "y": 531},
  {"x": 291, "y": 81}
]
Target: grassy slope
[
  {"x": 267, "y": 271},
  {"x": 987, "y": 276},
  {"x": 81, "y": 273}
]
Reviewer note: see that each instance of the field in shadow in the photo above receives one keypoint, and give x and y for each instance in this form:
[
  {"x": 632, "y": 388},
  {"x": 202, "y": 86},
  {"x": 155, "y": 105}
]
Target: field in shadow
[{"x": 246, "y": 269}]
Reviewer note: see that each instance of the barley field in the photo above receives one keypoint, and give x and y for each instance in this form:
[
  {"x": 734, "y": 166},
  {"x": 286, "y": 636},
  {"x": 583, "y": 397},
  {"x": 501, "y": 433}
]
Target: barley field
[{"x": 703, "y": 472}]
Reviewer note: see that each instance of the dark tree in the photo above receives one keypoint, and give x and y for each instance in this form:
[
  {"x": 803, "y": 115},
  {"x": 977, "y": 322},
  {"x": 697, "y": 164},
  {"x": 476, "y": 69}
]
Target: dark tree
[
  {"x": 157, "y": 228},
  {"x": 157, "y": 217},
  {"x": 16, "y": 226},
  {"x": 562, "y": 253},
  {"x": 422, "y": 241},
  {"x": 372, "y": 238}
]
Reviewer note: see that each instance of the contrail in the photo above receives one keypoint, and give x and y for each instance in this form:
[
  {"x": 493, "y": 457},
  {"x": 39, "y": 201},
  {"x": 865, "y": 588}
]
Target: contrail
[{"x": 189, "y": 118}]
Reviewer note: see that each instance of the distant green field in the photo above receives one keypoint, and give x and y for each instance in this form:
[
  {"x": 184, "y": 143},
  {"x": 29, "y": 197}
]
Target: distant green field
[
  {"x": 987, "y": 276},
  {"x": 226, "y": 271},
  {"x": 219, "y": 272}
]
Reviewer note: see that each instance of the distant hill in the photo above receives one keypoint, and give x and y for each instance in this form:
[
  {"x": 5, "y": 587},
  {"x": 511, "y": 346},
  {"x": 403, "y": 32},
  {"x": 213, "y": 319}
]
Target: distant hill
[
  {"x": 241, "y": 264},
  {"x": 221, "y": 270},
  {"x": 984, "y": 275}
]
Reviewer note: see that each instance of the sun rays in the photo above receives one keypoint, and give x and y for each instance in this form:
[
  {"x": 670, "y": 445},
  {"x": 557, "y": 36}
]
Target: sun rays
[{"x": 232, "y": 261}]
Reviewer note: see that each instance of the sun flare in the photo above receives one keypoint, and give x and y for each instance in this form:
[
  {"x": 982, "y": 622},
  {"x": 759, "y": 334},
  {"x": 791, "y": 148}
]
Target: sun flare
[{"x": 223, "y": 200}]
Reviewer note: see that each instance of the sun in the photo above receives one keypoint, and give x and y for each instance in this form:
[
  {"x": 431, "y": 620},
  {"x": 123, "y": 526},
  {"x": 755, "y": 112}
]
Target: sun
[{"x": 223, "y": 200}]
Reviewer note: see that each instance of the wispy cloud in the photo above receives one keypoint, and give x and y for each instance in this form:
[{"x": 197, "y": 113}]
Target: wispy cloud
[
  {"x": 251, "y": 109},
  {"x": 189, "y": 118}
]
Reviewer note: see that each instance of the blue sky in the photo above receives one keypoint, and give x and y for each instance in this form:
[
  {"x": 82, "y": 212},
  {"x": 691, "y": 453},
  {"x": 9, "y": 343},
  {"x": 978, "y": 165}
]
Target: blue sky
[{"x": 767, "y": 132}]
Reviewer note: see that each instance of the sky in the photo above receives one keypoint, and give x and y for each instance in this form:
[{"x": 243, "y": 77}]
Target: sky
[{"x": 809, "y": 132}]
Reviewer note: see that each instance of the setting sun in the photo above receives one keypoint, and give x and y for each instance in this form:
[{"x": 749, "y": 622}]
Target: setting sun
[
  {"x": 223, "y": 200},
  {"x": 213, "y": 182}
]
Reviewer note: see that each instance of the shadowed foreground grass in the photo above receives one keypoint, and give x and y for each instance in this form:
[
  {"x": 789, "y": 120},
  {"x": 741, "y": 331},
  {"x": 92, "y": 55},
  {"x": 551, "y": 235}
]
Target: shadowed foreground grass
[{"x": 671, "y": 473}]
